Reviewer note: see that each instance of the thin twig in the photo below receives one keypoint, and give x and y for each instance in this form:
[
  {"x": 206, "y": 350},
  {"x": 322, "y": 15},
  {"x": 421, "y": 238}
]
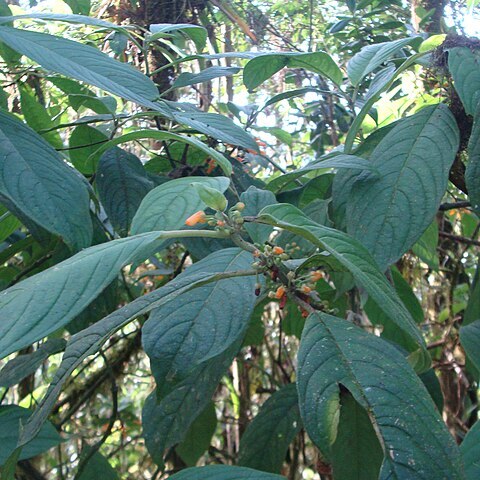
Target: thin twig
[{"x": 459, "y": 238}]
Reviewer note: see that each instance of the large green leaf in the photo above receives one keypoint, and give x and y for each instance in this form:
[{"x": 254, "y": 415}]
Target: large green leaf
[
  {"x": 464, "y": 65},
  {"x": 196, "y": 33},
  {"x": 352, "y": 255},
  {"x": 224, "y": 472},
  {"x": 122, "y": 184},
  {"x": 472, "y": 311},
  {"x": 213, "y": 317},
  {"x": 222, "y": 162},
  {"x": 185, "y": 79},
  {"x": 23, "y": 365},
  {"x": 166, "y": 421},
  {"x": 255, "y": 199},
  {"x": 266, "y": 440},
  {"x": 89, "y": 341},
  {"x": 426, "y": 246},
  {"x": 356, "y": 453},
  {"x": 97, "y": 467},
  {"x": 41, "y": 304},
  {"x": 10, "y": 418},
  {"x": 167, "y": 206},
  {"x": 199, "y": 436},
  {"x": 83, "y": 142},
  {"x": 472, "y": 173},
  {"x": 334, "y": 353},
  {"x": 8, "y": 223},
  {"x": 37, "y": 183},
  {"x": 371, "y": 57},
  {"x": 262, "y": 67},
  {"x": 81, "y": 62},
  {"x": 390, "y": 212},
  {"x": 407, "y": 296},
  {"x": 37, "y": 116},
  {"x": 334, "y": 160},
  {"x": 470, "y": 340},
  {"x": 470, "y": 449},
  {"x": 67, "y": 18},
  {"x": 216, "y": 126}
]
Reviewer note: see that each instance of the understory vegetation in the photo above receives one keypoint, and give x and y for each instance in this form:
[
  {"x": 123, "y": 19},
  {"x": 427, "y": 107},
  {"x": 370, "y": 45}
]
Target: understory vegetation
[{"x": 239, "y": 240}]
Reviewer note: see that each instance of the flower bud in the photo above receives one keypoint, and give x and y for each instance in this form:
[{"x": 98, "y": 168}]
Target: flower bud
[
  {"x": 212, "y": 198},
  {"x": 197, "y": 217},
  {"x": 316, "y": 275},
  {"x": 280, "y": 293}
]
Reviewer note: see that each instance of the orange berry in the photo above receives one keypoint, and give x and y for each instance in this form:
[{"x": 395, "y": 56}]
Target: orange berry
[
  {"x": 277, "y": 250},
  {"x": 197, "y": 217},
  {"x": 280, "y": 293},
  {"x": 220, "y": 223},
  {"x": 306, "y": 289}
]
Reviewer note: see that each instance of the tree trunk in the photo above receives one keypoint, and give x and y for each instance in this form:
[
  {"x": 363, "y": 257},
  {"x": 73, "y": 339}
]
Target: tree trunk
[{"x": 434, "y": 23}]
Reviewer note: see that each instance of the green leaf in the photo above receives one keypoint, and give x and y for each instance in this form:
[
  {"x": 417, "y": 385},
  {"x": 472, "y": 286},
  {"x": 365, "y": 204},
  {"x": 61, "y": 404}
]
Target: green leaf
[
  {"x": 464, "y": 65},
  {"x": 470, "y": 449},
  {"x": 472, "y": 173},
  {"x": 167, "y": 206},
  {"x": 37, "y": 183},
  {"x": 77, "y": 18},
  {"x": 332, "y": 160},
  {"x": 432, "y": 384},
  {"x": 223, "y": 472},
  {"x": 426, "y": 246},
  {"x": 222, "y": 162},
  {"x": 255, "y": 199},
  {"x": 389, "y": 213},
  {"x": 216, "y": 126},
  {"x": 262, "y": 67},
  {"x": 102, "y": 105},
  {"x": 83, "y": 63},
  {"x": 43, "y": 303},
  {"x": 352, "y": 255},
  {"x": 79, "y": 6},
  {"x": 89, "y": 341},
  {"x": 196, "y": 33},
  {"x": 212, "y": 198},
  {"x": 122, "y": 184},
  {"x": 287, "y": 95},
  {"x": 266, "y": 439},
  {"x": 23, "y": 365},
  {"x": 472, "y": 312},
  {"x": 185, "y": 79},
  {"x": 10, "y": 418},
  {"x": 97, "y": 467},
  {"x": 213, "y": 318},
  {"x": 166, "y": 422},
  {"x": 372, "y": 56},
  {"x": 470, "y": 340},
  {"x": 37, "y": 116},
  {"x": 198, "y": 437},
  {"x": 356, "y": 453},
  {"x": 471, "y": 4},
  {"x": 334, "y": 352},
  {"x": 83, "y": 142},
  {"x": 8, "y": 223}
]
